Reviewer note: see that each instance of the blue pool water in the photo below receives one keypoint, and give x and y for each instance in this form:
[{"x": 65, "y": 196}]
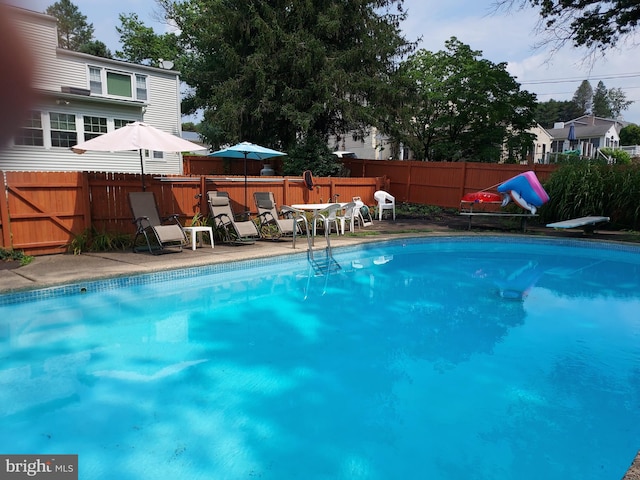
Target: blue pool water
[{"x": 429, "y": 359}]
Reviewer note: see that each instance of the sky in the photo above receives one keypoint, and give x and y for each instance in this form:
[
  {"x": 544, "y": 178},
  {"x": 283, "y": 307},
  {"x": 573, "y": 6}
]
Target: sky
[{"x": 502, "y": 37}]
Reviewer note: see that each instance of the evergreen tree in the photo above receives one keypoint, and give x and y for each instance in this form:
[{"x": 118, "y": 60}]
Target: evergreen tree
[
  {"x": 583, "y": 97},
  {"x": 601, "y": 107},
  {"x": 280, "y": 71},
  {"x": 73, "y": 29}
]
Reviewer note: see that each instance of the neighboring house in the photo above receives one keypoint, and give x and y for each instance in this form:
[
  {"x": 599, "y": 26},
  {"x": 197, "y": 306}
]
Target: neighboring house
[
  {"x": 195, "y": 137},
  {"x": 374, "y": 146},
  {"x": 81, "y": 96},
  {"x": 541, "y": 145},
  {"x": 591, "y": 134}
]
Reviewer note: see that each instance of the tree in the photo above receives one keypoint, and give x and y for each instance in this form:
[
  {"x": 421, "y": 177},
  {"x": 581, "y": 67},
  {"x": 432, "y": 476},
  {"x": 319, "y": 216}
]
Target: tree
[
  {"x": 618, "y": 102},
  {"x": 630, "y": 135},
  {"x": 140, "y": 44},
  {"x": 280, "y": 71},
  {"x": 460, "y": 107},
  {"x": 583, "y": 97},
  {"x": 600, "y": 103},
  {"x": 97, "y": 48},
  {"x": 594, "y": 24},
  {"x": 73, "y": 29},
  {"x": 552, "y": 111}
]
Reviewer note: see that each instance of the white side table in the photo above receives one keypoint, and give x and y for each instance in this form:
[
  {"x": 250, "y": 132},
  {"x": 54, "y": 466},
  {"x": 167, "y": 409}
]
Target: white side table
[{"x": 197, "y": 231}]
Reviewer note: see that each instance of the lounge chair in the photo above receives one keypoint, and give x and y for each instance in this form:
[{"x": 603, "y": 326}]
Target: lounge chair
[
  {"x": 233, "y": 231},
  {"x": 160, "y": 236},
  {"x": 272, "y": 224}
]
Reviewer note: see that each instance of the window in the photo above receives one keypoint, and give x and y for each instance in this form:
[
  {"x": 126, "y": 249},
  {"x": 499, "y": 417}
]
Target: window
[
  {"x": 113, "y": 83},
  {"x": 31, "y": 134},
  {"x": 141, "y": 87},
  {"x": 63, "y": 129},
  {"x": 94, "y": 126},
  {"x": 119, "y": 123},
  {"x": 95, "y": 80},
  {"x": 119, "y": 84}
]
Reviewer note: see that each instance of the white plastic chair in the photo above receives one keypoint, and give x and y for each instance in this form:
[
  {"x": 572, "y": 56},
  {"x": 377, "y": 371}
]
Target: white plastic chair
[
  {"x": 351, "y": 215},
  {"x": 328, "y": 218},
  {"x": 386, "y": 201}
]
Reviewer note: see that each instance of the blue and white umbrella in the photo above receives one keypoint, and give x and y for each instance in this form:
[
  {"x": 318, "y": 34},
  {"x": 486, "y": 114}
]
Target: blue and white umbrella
[{"x": 247, "y": 151}]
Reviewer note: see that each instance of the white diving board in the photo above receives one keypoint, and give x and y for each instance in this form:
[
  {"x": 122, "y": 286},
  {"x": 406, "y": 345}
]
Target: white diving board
[{"x": 583, "y": 222}]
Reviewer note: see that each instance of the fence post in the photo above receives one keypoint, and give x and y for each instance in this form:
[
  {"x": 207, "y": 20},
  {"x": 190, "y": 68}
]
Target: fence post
[
  {"x": 204, "y": 207},
  {"x": 464, "y": 179}
]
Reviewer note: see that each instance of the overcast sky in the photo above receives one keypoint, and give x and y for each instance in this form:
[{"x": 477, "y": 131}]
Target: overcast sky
[{"x": 501, "y": 37}]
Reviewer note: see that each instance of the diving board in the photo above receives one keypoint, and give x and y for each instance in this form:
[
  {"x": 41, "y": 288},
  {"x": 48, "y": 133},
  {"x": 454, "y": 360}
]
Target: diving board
[{"x": 584, "y": 222}]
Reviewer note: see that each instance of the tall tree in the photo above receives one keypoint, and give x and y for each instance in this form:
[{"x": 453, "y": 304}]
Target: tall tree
[
  {"x": 618, "y": 102},
  {"x": 274, "y": 72},
  {"x": 583, "y": 97},
  {"x": 460, "y": 107},
  {"x": 594, "y": 24},
  {"x": 73, "y": 29},
  {"x": 600, "y": 103},
  {"x": 140, "y": 44}
]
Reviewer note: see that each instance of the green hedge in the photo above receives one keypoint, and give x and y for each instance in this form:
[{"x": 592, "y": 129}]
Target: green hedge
[{"x": 583, "y": 188}]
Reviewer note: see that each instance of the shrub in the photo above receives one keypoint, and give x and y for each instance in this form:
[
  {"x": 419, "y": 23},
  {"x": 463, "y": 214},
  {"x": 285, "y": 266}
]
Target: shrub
[{"x": 587, "y": 188}]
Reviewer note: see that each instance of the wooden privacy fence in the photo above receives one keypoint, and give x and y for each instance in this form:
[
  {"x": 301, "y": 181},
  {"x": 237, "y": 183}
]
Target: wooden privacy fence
[
  {"x": 440, "y": 183},
  {"x": 42, "y": 212}
]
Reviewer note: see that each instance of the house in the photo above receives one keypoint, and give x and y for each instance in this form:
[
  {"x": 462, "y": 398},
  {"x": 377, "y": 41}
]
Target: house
[
  {"x": 80, "y": 96},
  {"x": 591, "y": 134},
  {"x": 541, "y": 145}
]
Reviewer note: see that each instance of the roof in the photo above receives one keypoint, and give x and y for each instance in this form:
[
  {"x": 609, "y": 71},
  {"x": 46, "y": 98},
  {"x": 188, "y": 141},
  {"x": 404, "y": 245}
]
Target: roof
[{"x": 589, "y": 131}]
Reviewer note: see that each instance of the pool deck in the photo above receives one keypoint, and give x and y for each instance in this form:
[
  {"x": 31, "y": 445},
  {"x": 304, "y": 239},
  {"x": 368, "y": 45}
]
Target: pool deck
[
  {"x": 63, "y": 269},
  {"x": 53, "y": 270}
]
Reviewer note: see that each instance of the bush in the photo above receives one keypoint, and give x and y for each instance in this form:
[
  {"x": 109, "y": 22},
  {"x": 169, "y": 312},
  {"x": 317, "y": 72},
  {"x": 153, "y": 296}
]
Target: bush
[
  {"x": 587, "y": 188},
  {"x": 620, "y": 157}
]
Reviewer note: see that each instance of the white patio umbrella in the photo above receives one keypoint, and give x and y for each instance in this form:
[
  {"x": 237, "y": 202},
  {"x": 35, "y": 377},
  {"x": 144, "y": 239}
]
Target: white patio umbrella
[
  {"x": 247, "y": 151},
  {"x": 137, "y": 136}
]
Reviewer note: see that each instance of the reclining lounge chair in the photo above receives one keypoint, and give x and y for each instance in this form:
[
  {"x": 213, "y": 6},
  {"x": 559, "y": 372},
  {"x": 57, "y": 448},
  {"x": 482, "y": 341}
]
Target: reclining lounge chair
[
  {"x": 270, "y": 219},
  {"x": 160, "y": 235},
  {"x": 232, "y": 231}
]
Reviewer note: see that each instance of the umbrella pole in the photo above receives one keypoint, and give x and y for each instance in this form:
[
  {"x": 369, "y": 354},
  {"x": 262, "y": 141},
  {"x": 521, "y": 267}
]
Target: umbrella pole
[
  {"x": 142, "y": 169},
  {"x": 246, "y": 207}
]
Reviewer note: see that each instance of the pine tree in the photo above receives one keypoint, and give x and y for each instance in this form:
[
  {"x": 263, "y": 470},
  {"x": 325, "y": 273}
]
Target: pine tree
[
  {"x": 583, "y": 97},
  {"x": 600, "y": 104},
  {"x": 73, "y": 29}
]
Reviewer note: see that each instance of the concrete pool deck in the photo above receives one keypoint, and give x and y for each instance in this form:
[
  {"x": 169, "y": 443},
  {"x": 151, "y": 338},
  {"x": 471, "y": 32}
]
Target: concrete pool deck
[{"x": 53, "y": 270}]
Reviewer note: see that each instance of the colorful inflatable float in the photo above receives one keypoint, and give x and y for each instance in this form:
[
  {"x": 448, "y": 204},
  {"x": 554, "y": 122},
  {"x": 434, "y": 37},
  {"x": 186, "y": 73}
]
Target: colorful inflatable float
[{"x": 525, "y": 190}]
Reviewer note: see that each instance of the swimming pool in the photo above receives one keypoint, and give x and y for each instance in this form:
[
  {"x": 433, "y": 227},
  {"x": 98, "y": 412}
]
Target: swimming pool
[{"x": 483, "y": 358}]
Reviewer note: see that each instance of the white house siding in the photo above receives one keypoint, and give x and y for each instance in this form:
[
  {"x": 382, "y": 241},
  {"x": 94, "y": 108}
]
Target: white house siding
[
  {"x": 39, "y": 31},
  {"x": 58, "y": 68}
]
